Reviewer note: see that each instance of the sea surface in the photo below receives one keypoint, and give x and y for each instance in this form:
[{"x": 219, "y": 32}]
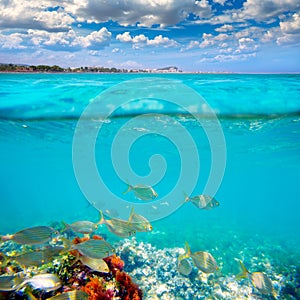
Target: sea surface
[{"x": 252, "y": 122}]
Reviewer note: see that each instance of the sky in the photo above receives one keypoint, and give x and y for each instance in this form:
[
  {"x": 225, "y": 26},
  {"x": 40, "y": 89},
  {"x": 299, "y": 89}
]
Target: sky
[{"x": 193, "y": 35}]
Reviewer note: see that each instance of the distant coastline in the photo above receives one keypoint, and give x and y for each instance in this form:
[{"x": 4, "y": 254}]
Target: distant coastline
[{"x": 39, "y": 69}]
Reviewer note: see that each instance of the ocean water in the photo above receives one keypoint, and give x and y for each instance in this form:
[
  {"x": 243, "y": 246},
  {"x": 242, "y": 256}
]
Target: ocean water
[{"x": 242, "y": 134}]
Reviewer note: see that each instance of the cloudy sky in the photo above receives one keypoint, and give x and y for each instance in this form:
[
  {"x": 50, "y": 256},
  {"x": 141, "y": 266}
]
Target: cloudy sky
[{"x": 194, "y": 35}]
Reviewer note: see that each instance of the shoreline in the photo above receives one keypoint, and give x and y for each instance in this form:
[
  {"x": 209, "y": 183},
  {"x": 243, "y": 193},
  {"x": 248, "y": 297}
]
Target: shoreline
[{"x": 155, "y": 73}]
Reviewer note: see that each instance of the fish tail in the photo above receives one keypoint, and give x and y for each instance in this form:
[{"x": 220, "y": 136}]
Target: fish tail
[
  {"x": 187, "y": 249},
  {"x": 66, "y": 245},
  {"x": 186, "y": 198},
  {"x": 102, "y": 220},
  {"x": 129, "y": 188},
  {"x": 5, "y": 238},
  {"x": 244, "y": 272}
]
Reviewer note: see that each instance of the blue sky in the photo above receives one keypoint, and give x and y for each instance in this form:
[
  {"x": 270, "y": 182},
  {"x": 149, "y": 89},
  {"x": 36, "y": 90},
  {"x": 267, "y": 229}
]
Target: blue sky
[{"x": 194, "y": 35}]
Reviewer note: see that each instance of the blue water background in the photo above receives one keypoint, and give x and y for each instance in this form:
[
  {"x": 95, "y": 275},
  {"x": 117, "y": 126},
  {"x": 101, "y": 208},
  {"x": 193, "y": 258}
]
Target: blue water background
[{"x": 259, "y": 195}]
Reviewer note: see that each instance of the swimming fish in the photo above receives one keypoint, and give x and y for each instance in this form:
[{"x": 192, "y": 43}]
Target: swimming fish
[
  {"x": 38, "y": 257},
  {"x": 121, "y": 228},
  {"x": 9, "y": 282},
  {"x": 95, "y": 264},
  {"x": 204, "y": 261},
  {"x": 85, "y": 227},
  {"x": 46, "y": 282},
  {"x": 94, "y": 248},
  {"x": 72, "y": 295},
  {"x": 139, "y": 222},
  {"x": 259, "y": 280},
  {"x": 203, "y": 201},
  {"x": 184, "y": 266},
  {"x": 142, "y": 191},
  {"x": 31, "y": 236}
]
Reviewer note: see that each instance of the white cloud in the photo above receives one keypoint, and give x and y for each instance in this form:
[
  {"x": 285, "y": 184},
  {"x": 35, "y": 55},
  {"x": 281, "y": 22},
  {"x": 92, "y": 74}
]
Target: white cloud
[
  {"x": 221, "y": 2},
  {"x": 33, "y": 15},
  {"x": 225, "y": 28},
  {"x": 221, "y": 58},
  {"x": 291, "y": 26},
  {"x": 12, "y": 41},
  {"x": 246, "y": 45},
  {"x": 202, "y": 9},
  {"x": 70, "y": 40},
  {"x": 141, "y": 40},
  {"x": 193, "y": 44},
  {"x": 262, "y": 10},
  {"x": 131, "y": 12}
]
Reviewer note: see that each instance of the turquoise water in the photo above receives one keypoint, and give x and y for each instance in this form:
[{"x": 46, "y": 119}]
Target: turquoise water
[{"x": 259, "y": 193}]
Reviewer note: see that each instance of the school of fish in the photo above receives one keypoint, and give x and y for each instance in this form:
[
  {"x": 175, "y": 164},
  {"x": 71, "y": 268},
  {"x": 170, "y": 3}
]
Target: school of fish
[{"x": 93, "y": 251}]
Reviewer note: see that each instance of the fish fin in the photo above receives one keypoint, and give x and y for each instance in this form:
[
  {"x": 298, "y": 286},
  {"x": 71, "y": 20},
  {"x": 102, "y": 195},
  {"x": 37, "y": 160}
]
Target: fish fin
[
  {"x": 66, "y": 245},
  {"x": 28, "y": 292},
  {"x": 129, "y": 188},
  {"x": 66, "y": 226},
  {"x": 131, "y": 215},
  {"x": 274, "y": 294},
  {"x": 77, "y": 258},
  {"x": 244, "y": 272},
  {"x": 187, "y": 249}
]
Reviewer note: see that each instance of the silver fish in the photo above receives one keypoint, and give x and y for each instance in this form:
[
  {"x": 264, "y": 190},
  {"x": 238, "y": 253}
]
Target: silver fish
[
  {"x": 31, "y": 236},
  {"x": 184, "y": 266},
  {"x": 9, "y": 282},
  {"x": 259, "y": 280},
  {"x": 85, "y": 227},
  {"x": 95, "y": 264},
  {"x": 142, "y": 191},
  {"x": 139, "y": 222},
  {"x": 72, "y": 295},
  {"x": 204, "y": 261},
  {"x": 94, "y": 248},
  {"x": 203, "y": 201},
  {"x": 118, "y": 227},
  {"x": 45, "y": 282},
  {"x": 38, "y": 257}
]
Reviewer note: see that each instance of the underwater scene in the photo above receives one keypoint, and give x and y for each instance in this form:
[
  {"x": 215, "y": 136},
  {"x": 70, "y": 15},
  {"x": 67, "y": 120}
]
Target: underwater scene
[{"x": 149, "y": 186}]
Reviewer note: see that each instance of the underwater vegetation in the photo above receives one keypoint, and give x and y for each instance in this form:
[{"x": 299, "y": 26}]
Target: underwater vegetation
[
  {"x": 73, "y": 261},
  {"x": 82, "y": 268}
]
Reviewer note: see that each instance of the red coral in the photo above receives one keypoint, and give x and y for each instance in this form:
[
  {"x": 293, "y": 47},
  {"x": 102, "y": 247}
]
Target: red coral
[
  {"x": 114, "y": 263},
  {"x": 97, "y": 237},
  {"x": 79, "y": 240},
  {"x": 128, "y": 289},
  {"x": 96, "y": 290}
]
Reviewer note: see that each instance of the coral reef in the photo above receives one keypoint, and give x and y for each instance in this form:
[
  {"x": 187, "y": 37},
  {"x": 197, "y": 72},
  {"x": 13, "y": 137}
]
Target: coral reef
[
  {"x": 128, "y": 289},
  {"x": 114, "y": 263},
  {"x": 97, "y": 290}
]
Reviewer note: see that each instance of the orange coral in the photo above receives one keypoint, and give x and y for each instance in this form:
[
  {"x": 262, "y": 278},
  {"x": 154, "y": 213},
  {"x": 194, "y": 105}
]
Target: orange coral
[
  {"x": 97, "y": 237},
  {"x": 96, "y": 290},
  {"x": 114, "y": 263},
  {"x": 128, "y": 289}
]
